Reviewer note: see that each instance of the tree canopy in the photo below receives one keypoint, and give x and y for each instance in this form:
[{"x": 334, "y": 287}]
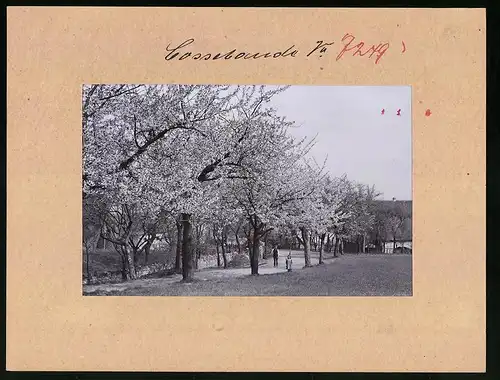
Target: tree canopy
[{"x": 208, "y": 155}]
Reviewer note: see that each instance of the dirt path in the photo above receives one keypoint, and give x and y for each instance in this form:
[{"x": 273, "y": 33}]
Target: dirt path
[
  {"x": 209, "y": 274},
  {"x": 348, "y": 275}
]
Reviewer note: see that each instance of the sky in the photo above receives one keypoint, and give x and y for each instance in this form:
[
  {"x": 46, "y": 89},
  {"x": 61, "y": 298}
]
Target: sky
[{"x": 353, "y": 135}]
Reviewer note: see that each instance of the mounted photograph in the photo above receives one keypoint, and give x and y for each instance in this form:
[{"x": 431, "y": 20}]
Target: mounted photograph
[{"x": 246, "y": 190}]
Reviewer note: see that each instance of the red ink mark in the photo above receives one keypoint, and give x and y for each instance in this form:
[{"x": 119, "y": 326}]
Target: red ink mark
[
  {"x": 383, "y": 111},
  {"x": 399, "y": 112},
  {"x": 404, "y": 47},
  {"x": 428, "y": 112},
  {"x": 348, "y": 39}
]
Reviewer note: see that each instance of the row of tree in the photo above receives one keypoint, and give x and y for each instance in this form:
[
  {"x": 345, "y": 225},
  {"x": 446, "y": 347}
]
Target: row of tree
[{"x": 211, "y": 161}]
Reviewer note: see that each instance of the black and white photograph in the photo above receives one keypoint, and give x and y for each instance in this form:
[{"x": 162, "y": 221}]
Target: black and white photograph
[{"x": 246, "y": 190}]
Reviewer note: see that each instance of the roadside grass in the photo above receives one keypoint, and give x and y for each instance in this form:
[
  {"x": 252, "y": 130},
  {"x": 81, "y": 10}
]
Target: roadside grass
[{"x": 348, "y": 275}]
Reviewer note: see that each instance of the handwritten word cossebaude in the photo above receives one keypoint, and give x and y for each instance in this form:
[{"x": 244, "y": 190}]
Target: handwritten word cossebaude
[
  {"x": 348, "y": 46},
  {"x": 177, "y": 53}
]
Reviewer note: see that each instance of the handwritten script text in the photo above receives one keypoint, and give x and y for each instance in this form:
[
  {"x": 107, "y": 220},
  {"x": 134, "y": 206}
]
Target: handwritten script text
[{"x": 347, "y": 46}]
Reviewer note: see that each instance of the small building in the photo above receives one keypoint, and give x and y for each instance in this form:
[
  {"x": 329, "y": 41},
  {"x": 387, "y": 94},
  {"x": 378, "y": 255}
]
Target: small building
[
  {"x": 403, "y": 241},
  {"x": 385, "y": 239},
  {"x": 402, "y": 246}
]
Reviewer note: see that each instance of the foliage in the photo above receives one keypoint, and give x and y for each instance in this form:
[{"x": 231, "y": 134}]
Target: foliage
[{"x": 217, "y": 154}]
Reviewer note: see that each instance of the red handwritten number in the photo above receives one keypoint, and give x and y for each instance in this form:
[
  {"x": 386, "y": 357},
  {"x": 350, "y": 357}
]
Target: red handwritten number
[
  {"x": 404, "y": 47},
  {"x": 383, "y": 111},
  {"x": 348, "y": 41},
  {"x": 399, "y": 112},
  {"x": 428, "y": 112}
]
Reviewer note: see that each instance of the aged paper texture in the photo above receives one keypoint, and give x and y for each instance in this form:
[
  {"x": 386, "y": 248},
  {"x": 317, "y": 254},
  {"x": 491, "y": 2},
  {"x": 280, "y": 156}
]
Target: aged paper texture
[{"x": 440, "y": 53}]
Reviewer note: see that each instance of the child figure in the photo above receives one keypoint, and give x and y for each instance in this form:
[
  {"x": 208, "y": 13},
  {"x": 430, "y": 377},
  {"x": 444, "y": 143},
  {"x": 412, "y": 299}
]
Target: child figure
[{"x": 289, "y": 262}]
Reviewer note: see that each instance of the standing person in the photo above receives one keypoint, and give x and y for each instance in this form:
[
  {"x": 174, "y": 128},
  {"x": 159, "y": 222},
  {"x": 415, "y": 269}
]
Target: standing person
[
  {"x": 289, "y": 261},
  {"x": 275, "y": 256}
]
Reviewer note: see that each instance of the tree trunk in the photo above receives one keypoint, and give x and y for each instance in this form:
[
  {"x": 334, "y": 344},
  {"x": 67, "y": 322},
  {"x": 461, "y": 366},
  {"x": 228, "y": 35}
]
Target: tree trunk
[
  {"x": 336, "y": 247},
  {"x": 146, "y": 253},
  {"x": 249, "y": 240},
  {"x": 196, "y": 248},
  {"x": 321, "y": 240},
  {"x": 187, "y": 248},
  {"x": 237, "y": 241},
  {"x": 90, "y": 244},
  {"x": 178, "y": 247},
  {"x": 393, "y": 245},
  {"x": 227, "y": 247},
  {"x": 254, "y": 256},
  {"x": 363, "y": 247},
  {"x": 124, "y": 267},
  {"x": 223, "y": 248},
  {"x": 218, "y": 255},
  {"x": 131, "y": 259},
  {"x": 380, "y": 244},
  {"x": 306, "y": 241},
  {"x": 87, "y": 264},
  {"x": 135, "y": 255},
  {"x": 217, "y": 248},
  {"x": 128, "y": 267},
  {"x": 196, "y": 257},
  {"x": 341, "y": 247},
  {"x": 264, "y": 254}
]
